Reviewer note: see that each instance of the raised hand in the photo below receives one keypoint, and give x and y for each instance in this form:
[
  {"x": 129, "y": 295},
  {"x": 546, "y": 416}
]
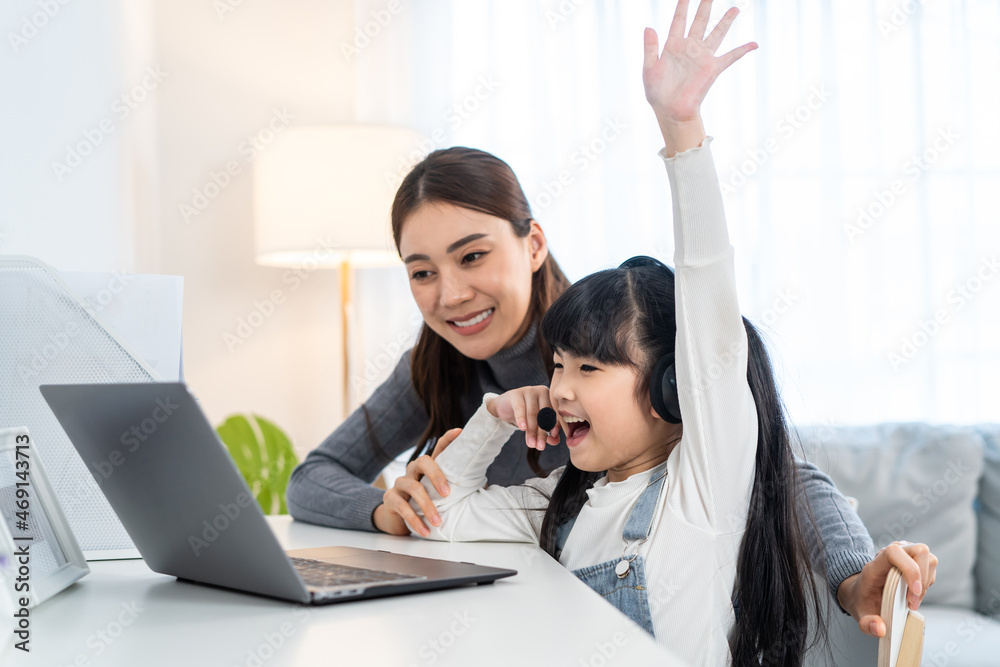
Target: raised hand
[{"x": 677, "y": 80}]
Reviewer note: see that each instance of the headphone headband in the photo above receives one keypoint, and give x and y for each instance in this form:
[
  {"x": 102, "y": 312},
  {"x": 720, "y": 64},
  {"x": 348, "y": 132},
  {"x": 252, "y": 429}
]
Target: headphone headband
[
  {"x": 663, "y": 383},
  {"x": 644, "y": 261}
]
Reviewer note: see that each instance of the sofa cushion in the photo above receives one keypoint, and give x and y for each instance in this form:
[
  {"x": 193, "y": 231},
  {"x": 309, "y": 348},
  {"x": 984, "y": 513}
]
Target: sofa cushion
[
  {"x": 915, "y": 482},
  {"x": 988, "y": 560},
  {"x": 958, "y": 638}
]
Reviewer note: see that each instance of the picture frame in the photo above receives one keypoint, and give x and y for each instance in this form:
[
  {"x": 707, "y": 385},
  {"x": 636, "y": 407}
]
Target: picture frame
[{"x": 32, "y": 520}]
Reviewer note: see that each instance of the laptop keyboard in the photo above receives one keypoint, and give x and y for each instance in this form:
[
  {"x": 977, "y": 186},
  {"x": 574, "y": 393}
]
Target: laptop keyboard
[{"x": 330, "y": 575}]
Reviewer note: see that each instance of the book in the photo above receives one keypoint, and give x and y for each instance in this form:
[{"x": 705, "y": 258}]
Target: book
[{"x": 903, "y": 642}]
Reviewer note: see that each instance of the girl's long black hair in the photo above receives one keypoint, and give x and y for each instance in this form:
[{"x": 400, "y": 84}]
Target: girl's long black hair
[{"x": 626, "y": 317}]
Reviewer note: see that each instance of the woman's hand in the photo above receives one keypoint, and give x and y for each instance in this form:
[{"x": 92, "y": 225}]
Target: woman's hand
[
  {"x": 861, "y": 594},
  {"x": 677, "y": 80},
  {"x": 395, "y": 513},
  {"x": 520, "y": 407}
]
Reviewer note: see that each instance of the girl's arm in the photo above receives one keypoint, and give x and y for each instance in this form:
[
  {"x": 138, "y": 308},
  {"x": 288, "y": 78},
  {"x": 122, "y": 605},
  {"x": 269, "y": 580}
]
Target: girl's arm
[
  {"x": 471, "y": 512},
  {"x": 715, "y": 459},
  {"x": 713, "y": 466},
  {"x": 711, "y": 369},
  {"x": 332, "y": 486}
]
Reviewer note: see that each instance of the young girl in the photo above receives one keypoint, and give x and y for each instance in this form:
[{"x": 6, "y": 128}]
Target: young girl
[{"x": 677, "y": 503}]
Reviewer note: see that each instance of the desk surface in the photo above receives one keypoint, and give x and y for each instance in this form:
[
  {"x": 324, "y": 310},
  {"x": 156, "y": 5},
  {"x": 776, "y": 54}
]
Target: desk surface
[{"x": 122, "y": 613}]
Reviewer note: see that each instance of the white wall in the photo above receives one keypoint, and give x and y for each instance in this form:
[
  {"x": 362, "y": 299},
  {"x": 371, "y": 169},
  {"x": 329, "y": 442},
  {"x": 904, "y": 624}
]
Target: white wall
[
  {"x": 76, "y": 178},
  {"x": 259, "y": 68},
  {"x": 213, "y": 80}
]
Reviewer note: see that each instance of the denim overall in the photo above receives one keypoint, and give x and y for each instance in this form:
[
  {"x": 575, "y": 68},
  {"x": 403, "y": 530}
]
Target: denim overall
[{"x": 622, "y": 581}]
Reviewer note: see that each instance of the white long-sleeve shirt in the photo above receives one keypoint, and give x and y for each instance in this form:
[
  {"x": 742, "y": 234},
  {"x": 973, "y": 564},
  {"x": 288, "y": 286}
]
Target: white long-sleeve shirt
[{"x": 690, "y": 556}]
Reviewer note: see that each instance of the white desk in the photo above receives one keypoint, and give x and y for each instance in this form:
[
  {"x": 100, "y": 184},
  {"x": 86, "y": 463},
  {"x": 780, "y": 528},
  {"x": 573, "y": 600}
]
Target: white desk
[{"x": 542, "y": 616}]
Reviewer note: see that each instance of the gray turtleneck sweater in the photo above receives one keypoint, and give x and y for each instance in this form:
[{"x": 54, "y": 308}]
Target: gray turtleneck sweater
[{"x": 332, "y": 487}]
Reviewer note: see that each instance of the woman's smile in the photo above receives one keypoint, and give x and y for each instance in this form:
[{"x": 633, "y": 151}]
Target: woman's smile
[{"x": 472, "y": 323}]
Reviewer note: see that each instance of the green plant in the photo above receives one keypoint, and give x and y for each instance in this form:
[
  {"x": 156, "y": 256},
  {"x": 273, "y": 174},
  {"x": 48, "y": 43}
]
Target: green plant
[{"x": 264, "y": 455}]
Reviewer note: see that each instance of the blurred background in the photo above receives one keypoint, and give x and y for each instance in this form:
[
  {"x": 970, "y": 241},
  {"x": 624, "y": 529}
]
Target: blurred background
[{"x": 857, "y": 150}]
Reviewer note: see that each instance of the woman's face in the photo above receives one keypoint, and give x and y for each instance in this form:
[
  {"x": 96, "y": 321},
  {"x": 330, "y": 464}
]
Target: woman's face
[{"x": 470, "y": 275}]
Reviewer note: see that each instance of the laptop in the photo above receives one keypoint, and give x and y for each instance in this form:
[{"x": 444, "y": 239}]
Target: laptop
[{"x": 191, "y": 515}]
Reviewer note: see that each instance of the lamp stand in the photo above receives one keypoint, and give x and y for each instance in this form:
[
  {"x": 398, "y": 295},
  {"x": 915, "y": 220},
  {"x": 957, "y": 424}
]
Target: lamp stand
[{"x": 345, "y": 312}]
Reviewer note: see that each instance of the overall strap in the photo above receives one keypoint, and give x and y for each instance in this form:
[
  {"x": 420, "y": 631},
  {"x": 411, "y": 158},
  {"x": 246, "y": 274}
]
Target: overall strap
[
  {"x": 640, "y": 519},
  {"x": 562, "y": 533}
]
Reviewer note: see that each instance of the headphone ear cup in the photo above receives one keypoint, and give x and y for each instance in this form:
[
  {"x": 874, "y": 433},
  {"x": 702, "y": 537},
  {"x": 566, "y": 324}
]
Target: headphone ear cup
[{"x": 663, "y": 390}]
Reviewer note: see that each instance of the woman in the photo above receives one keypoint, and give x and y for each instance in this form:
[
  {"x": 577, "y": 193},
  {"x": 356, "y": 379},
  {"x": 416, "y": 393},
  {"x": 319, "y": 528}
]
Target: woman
[{"x": 482, "y": 277}]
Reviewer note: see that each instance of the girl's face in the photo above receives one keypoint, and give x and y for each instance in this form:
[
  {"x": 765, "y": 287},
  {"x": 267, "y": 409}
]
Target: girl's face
[
  {"x": 470, "y": 275},
  {"x": 606, "y": 429}
]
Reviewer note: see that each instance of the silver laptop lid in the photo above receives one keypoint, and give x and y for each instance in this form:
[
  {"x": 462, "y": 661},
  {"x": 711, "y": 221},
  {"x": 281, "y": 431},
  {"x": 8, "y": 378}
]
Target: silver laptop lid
[{"x": 173, "y": 485}]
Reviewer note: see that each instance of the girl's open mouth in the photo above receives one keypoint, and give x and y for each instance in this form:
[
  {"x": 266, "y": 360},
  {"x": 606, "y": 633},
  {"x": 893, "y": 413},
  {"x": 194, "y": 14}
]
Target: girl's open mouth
[{"x": 576, "y": 431}]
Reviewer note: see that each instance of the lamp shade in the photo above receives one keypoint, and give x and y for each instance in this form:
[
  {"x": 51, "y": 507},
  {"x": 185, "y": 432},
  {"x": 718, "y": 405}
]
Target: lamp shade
[{"x": 323, "y": 194}]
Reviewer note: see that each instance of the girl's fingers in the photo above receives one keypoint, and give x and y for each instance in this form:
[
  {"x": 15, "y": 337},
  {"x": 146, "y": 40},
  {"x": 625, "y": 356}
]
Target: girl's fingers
[
  {"x": 531, "y": 420},
  {"x": 517, "y": 407},
  {"x": 700, "y": 23},
  {"x": 520, "y": 408},
  {"x": 650, "y": 48},
  {"x": 729, "y": 58},
  {"x": 719, "y": 32},
  {"x": 679, "y": 23},
  {"x": 552, "y": 437},
  {"x": 546, "y": 437}
]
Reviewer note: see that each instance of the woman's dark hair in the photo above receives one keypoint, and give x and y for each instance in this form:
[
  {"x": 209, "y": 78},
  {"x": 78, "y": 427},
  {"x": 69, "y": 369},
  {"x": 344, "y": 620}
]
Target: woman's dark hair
[
  {"x": 625, "y": 317},
  {"x": 482, "y": 182}
]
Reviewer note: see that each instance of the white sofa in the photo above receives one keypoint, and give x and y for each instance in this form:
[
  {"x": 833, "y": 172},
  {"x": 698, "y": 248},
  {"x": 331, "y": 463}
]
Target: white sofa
[{"x": 934, "y": 484}]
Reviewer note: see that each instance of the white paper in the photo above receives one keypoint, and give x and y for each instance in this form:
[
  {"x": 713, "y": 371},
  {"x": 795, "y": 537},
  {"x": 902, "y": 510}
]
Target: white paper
[
  {"x": 899, "y": 613},
  {"x": 143, "y": 310}
]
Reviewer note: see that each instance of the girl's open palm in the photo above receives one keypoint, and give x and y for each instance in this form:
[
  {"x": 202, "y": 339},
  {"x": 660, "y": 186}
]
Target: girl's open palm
[{"x": 677, "y": 80}]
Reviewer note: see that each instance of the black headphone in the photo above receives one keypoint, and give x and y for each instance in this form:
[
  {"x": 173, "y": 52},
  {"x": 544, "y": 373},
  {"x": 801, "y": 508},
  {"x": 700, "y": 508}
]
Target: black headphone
[{"x": 663, "y": 382}]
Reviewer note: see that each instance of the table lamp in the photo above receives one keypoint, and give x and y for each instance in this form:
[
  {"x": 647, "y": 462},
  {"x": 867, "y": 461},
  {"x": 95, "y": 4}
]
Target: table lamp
[{"x": 322, "y": 197}]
